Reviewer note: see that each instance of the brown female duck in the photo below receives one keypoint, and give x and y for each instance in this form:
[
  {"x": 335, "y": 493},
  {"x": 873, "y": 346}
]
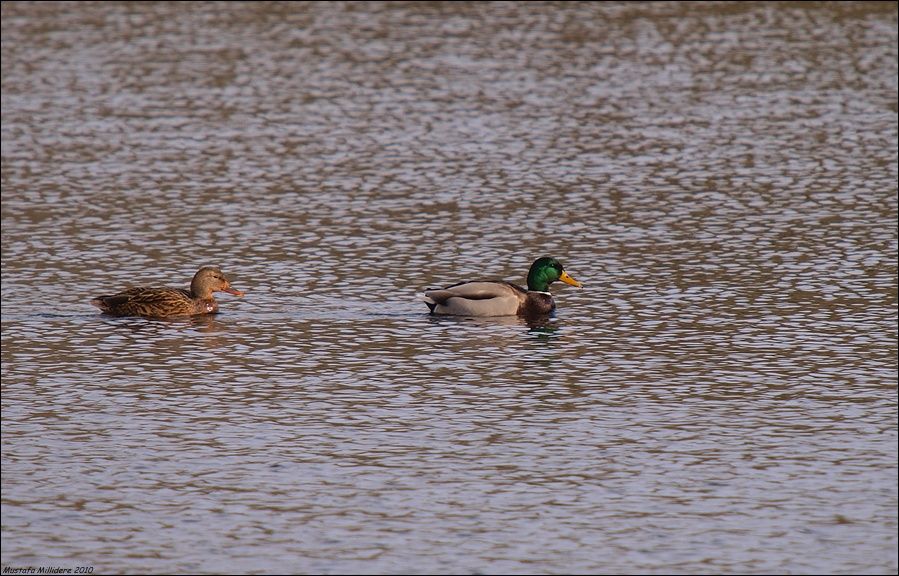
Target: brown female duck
[
  {"x": 497, "y": 298},
  {"x": 168, "y": 302}
]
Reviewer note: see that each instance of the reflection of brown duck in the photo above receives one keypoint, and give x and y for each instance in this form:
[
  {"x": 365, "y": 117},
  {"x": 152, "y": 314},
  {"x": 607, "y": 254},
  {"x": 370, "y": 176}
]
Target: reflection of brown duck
[
  {"x": 166, "y": 302},
  {"x": 493, "y": 298}
]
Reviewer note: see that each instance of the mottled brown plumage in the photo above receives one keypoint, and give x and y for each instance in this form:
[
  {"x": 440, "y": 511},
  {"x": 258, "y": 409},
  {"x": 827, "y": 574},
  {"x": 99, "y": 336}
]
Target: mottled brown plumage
[{"x": 169, "y": 302}]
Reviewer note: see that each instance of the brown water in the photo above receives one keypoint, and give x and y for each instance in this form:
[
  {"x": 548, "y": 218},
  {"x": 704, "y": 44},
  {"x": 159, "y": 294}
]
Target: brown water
[{"x": 720, "y": 398}]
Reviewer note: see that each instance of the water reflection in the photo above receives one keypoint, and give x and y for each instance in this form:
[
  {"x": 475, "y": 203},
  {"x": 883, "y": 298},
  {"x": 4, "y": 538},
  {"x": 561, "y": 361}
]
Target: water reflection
[
  {"x": 535, "y": 323},
  {"x": 542, "y": 331}
]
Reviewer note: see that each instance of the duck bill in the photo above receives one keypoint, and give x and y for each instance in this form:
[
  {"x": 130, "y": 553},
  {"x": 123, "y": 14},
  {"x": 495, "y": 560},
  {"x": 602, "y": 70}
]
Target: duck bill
[
  {"x": 569, "y": 280},
  {"x": 230, "y": 290}
]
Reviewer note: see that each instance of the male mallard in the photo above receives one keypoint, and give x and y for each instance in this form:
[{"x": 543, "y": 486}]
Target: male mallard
[
  {"x": 166, "y": 302},
  {"x": 497, "y": 298}
]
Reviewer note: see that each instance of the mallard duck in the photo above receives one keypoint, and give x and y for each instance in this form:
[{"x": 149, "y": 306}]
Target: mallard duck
[
  {"x": 498, "y": 298},
  {"x": 167, "y": 302}
]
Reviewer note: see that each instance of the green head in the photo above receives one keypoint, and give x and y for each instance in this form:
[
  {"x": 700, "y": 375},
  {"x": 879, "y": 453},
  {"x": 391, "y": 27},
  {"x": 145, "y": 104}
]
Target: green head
[{"x": 544, "y": 271}]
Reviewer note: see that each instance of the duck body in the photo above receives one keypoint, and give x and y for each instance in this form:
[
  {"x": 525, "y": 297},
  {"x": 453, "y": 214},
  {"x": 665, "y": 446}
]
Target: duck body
[
  {"x": 169, "y": 302},
  {"x": 155, "y": 303},
  {"x": 488, "y": 298},
  {"x": 500, "y": 298}
]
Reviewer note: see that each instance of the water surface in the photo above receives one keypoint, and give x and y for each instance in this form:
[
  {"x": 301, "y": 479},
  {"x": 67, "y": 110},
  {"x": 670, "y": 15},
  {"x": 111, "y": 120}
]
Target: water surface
[{"x": 719, "y": 398}]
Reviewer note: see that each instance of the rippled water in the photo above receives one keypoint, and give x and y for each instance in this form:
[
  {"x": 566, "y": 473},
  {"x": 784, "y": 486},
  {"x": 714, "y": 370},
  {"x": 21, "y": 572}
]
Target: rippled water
[{"x": 720, "y": 398}]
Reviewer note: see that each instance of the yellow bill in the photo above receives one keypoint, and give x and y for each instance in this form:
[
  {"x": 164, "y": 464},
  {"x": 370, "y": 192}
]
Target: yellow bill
[{"x": 569, "y": 280}]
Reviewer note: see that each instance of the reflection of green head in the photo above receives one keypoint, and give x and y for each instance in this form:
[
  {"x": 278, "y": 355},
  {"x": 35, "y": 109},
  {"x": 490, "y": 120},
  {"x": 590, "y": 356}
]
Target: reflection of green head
[{"x": 544, "y": 271}]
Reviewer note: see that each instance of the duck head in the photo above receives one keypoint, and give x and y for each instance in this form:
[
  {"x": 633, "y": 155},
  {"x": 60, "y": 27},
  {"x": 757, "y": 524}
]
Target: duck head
[
  {"x": 544, "y": 271},
  {"x": 209, "y": 279}
]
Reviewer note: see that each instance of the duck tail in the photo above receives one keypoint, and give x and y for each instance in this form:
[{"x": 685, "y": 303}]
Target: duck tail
[{"x": 431, "y": 303}]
